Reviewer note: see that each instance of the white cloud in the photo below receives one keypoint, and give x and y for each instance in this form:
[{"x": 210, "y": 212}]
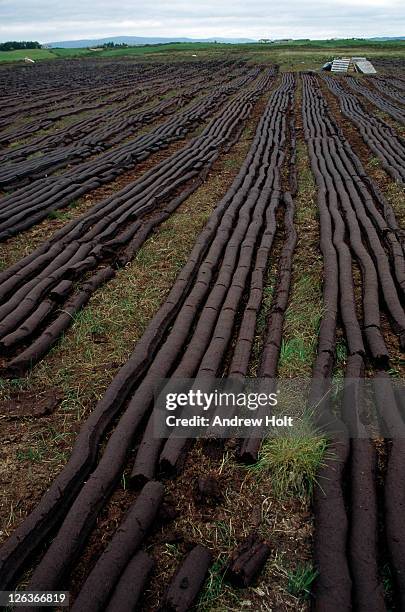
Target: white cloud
[
  {"x": 48, "y": 20},
  {"x": 370, "y": 3}
]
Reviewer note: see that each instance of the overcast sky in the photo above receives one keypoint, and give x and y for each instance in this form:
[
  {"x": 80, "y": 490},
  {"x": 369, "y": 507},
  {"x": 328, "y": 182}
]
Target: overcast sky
[{"x": 52, "y": 20}]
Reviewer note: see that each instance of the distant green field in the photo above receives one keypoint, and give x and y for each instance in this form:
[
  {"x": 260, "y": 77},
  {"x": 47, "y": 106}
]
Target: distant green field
[
  {"x": 66, "y": 53},
  {"x": 35, "y": 54},
  {"x": 306, "y": 58},
  {"x": 294, "y": 55},
  {"x": 170, "y": 48}
]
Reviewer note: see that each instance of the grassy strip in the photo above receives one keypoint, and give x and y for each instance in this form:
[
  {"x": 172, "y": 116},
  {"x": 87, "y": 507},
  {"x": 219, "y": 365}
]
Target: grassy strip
[{"x": 305, "y": 309}]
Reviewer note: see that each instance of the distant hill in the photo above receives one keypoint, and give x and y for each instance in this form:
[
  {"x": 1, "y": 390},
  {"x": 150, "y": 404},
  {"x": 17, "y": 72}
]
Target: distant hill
[
  {"x": 383, "y": 38},
  {"x": 139, "y": 40}
]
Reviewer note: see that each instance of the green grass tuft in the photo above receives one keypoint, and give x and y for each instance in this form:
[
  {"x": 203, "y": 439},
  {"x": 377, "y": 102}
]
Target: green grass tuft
[
  {"x": 300, "y": 580},
  {"x": 293, "y": 459}
]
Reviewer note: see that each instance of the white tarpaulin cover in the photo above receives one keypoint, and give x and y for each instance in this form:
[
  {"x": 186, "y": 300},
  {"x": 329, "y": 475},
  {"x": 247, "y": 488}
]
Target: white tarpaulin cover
[{"x": 365, "y": 66}]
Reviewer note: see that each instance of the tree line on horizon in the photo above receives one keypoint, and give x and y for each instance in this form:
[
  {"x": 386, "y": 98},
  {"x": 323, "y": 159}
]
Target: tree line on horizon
[{"x": 13, "y": 45}]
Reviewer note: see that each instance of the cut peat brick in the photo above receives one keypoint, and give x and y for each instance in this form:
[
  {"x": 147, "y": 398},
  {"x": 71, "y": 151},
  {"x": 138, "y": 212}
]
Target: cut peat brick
[
  {"x": 187, "y": 582},
  {"x": 247, "y": 561}
]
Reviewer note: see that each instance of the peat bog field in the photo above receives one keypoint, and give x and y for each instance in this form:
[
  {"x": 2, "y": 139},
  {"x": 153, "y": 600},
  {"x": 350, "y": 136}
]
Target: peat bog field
[{"x": 213, "y": 218}]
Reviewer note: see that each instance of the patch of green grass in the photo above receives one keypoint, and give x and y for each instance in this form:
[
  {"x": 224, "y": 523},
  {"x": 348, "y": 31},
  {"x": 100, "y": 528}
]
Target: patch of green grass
[
  {"x": 217, "y": 595},
  {"x": 72, "y": 401},
  {"x": 19, "y": 384},
  {"x": 35, "y": 155},
  {"x": 14, "y": 385},
  {"x": 395, "y": 194},
  {"x": 87, "y": 323},
  {"x": 341, "y": 351},
  {"x": 295, "y": 353},
  {"x": 268, "y": 292},
  {"x": 58, "y": 214},
  {"x": 300, "y": 580},
  {"x": 302, "y": 321},
  {"x": 213, "y": 587},
  {"x": 374, "y": 162},
  {"x": 293, "y": 459},
  {"x": 46, "y": 447},
  {"x": 341, "y": 359},
  {"x": 224, "y": 534},
  {"x": 232, "y": 163},
  {"x": 30, "y": 454},
  {"x": 307, "y": 185},
  {"x": 67, "y": 53},
  {"x": 19, "y": 54},
  {"x": 394, "y": 373},
  {"x": 64, "y": 215}
]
